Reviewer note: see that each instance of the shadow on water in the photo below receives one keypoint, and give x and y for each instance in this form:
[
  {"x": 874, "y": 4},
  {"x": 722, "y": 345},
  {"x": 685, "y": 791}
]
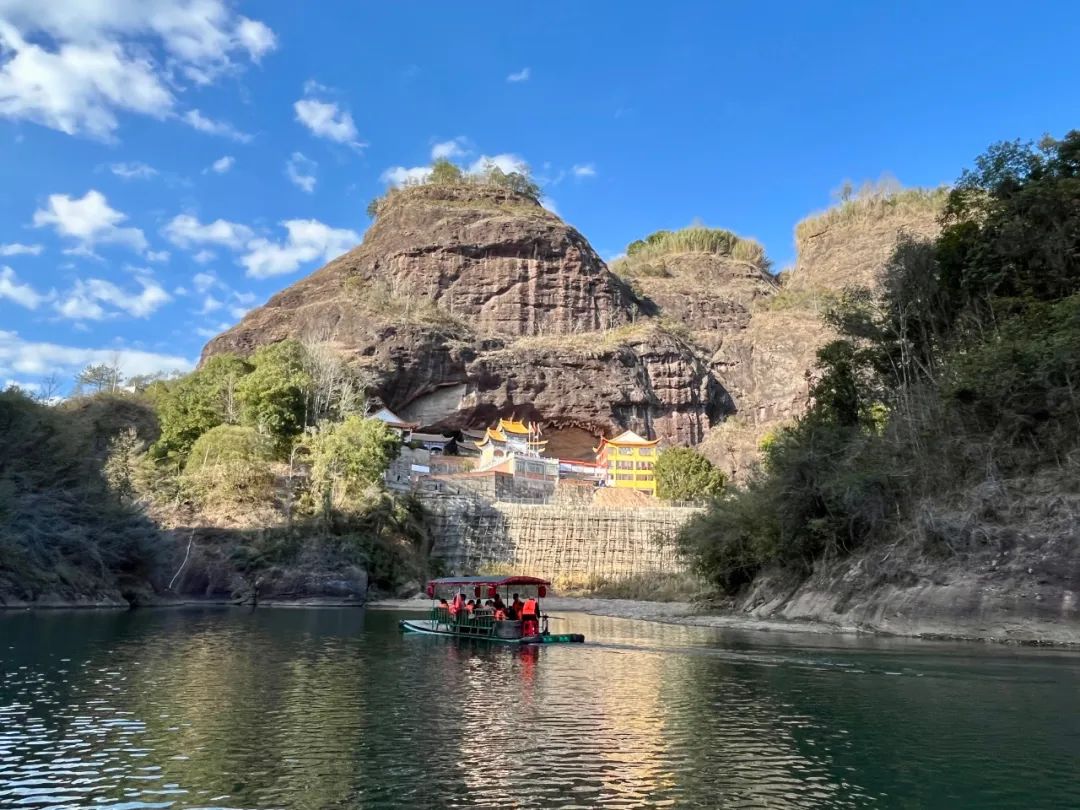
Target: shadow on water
[{"x": 222, "y": 707}]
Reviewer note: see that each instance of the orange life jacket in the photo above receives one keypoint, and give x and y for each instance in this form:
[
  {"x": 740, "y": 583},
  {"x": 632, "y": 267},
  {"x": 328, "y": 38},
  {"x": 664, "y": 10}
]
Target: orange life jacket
[{"x": 529, "y": 609}]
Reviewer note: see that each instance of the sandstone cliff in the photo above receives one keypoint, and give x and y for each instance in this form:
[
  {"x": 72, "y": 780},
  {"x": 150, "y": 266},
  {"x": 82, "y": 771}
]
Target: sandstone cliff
[
  {"x": 768, "y": 367},
  {"x": 468, "y": 302}
]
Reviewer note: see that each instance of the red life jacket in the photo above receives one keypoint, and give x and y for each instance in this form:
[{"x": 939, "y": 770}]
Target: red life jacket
[{"x": 529, "y": 609}]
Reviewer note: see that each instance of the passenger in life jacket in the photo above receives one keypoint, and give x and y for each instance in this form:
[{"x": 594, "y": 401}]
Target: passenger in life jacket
[
  {"x": 458, "y": 605},
  {"x": 500, "y": 614},
  {"x": 530, "y": 618},
  {"x": 515, "y": 608}
]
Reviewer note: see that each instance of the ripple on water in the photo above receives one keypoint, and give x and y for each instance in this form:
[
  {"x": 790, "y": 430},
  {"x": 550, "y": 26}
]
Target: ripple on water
[{"x": 323, "y": 709}]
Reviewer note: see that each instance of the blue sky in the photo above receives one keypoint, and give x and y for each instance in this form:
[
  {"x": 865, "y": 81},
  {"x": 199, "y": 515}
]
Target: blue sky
[{"x": 168, "y": 164}]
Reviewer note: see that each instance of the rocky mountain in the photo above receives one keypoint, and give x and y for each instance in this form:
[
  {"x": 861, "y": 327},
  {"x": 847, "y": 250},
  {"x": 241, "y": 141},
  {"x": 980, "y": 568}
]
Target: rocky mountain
[{"x": 467, "y": 302}]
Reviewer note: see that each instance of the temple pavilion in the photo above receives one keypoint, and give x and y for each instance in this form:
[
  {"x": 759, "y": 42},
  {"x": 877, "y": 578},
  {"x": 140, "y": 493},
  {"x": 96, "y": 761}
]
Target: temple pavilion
[
  {"x": 629, "y": 460},
  {"x": 516, "y": 447}
]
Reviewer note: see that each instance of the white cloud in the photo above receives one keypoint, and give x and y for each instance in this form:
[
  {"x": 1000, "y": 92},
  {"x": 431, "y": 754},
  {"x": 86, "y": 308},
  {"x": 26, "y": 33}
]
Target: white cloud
[
  {"x": 26, "y": 357},
  {"x": 453, "y": 148},
  {"x": 308, "y": 240},
  {"x": 78, "y": 88},
  {"x": 75, "y": 65},
  {"x": 19, "y": 249},
  {"x": 549, "y": 204},
  {"x": 86, "y": 299},
  {"x": 521, "y": 76},
  {"x": 210, "y": 304},
  {"x": 22, "y": 294},
  {"x": 326, "y": 120},
  {"x": 223, "y": 164},
  {"x": 400, "y": 176},
  {"x": 301, "y": 171},
  {"x": 157, "y": 255},
  {"x": 584, "y": 170},
  {"x": 245, "y": 297},
  {"x": 204, "y": 256},
  {"x": 185, "y": 231},
  {"x": 133, "y": 171},
  {"x": 200, "y": 122},
  {"x": 256, "y": 37},
  {"x": 506, "y": 161},
  {"x": 90, "y": 220},
  {"x": 203, "y": 281},
  {"x": 238, "y": 312}
]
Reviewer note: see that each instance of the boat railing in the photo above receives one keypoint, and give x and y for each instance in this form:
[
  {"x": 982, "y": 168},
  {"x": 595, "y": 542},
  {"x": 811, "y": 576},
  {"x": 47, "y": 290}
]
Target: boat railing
[{"x": 465, "y": 623}]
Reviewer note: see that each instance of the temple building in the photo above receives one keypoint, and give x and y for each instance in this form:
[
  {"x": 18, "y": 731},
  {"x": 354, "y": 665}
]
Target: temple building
[
  {"x": 516, "y": 448},
  {"x": 395, "y": 423},
  {"x": 629, "y": 460}
]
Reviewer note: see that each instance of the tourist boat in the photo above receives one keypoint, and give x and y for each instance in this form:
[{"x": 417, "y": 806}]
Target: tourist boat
[{"x": 483, "y": 624}]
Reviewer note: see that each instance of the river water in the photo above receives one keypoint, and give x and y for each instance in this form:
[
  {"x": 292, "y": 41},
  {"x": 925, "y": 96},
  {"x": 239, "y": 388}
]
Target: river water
[{"x": 328, "y": 708}]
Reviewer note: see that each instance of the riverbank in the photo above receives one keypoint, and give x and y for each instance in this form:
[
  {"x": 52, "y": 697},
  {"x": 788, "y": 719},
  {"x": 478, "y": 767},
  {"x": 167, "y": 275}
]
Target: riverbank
[
  {"x": 1020, "y": 632},
  {"x": 1015, "y": 630}
]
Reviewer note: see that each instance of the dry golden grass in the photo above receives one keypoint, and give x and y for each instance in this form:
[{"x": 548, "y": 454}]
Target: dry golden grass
[
  {"x": 646, "y": 258},
  {"x": 872, "y": 202}
]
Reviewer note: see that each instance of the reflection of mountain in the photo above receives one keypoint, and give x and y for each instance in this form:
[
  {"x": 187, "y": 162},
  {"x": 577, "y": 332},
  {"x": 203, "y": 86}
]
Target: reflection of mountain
[{"x": 335, "y": 708}]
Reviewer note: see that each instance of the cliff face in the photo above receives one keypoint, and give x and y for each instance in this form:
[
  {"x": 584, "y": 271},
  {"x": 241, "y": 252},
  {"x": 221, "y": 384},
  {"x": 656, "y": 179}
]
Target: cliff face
[
  {"x": 473, "y": 302},
  {"x": 768, "y": 367},
  {"x": 713, "y": 296}
]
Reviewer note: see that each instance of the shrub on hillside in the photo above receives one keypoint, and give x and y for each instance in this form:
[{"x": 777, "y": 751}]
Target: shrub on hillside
[
  {"x": 683, "y": 474},
  {"x": 347, "y": 458},
  {"x": 229, "y": 465}
]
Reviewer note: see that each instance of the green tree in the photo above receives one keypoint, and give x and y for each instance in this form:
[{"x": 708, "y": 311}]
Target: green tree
[
  {"x": 445, "y": 173},
  {"x": 273, "y": 397},
  {"x": 347, "y": 457},
  {"x": 191, "y": 405},
  {"x": 519, "y": 181},
  {"x": 98, "y": 378},
  {"x": 683, "y": 474}
]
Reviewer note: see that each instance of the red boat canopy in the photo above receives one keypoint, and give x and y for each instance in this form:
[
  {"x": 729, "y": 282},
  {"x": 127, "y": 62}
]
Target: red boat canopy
[{"x": 495, "y": 581}]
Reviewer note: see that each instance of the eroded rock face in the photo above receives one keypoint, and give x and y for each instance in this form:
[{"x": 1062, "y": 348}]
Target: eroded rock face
[
  {"x": 470, "y": 302},
  {"x": 770, "y": 365},
  {"x": 713, "y": 296}
]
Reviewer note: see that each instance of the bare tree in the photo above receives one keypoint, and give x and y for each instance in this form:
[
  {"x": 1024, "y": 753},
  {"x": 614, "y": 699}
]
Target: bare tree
[{"x": 49, "y": 389}]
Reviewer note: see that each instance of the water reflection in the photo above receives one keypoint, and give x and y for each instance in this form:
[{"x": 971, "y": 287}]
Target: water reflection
[{"x": 333, "y": 708}]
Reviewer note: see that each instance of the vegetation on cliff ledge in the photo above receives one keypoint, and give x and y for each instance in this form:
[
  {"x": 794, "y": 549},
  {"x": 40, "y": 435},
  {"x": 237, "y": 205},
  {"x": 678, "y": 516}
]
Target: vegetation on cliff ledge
[
  {"x": 869, "y": 203},
  {"x": 646, "y": 257},
  {"x": 445, "y": 173},
  {"x": 963, "y": 372}
]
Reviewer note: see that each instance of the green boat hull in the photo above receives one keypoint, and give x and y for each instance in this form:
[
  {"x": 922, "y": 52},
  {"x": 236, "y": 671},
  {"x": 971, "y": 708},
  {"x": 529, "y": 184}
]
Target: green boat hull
[{"x": 427, "y": 627}]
